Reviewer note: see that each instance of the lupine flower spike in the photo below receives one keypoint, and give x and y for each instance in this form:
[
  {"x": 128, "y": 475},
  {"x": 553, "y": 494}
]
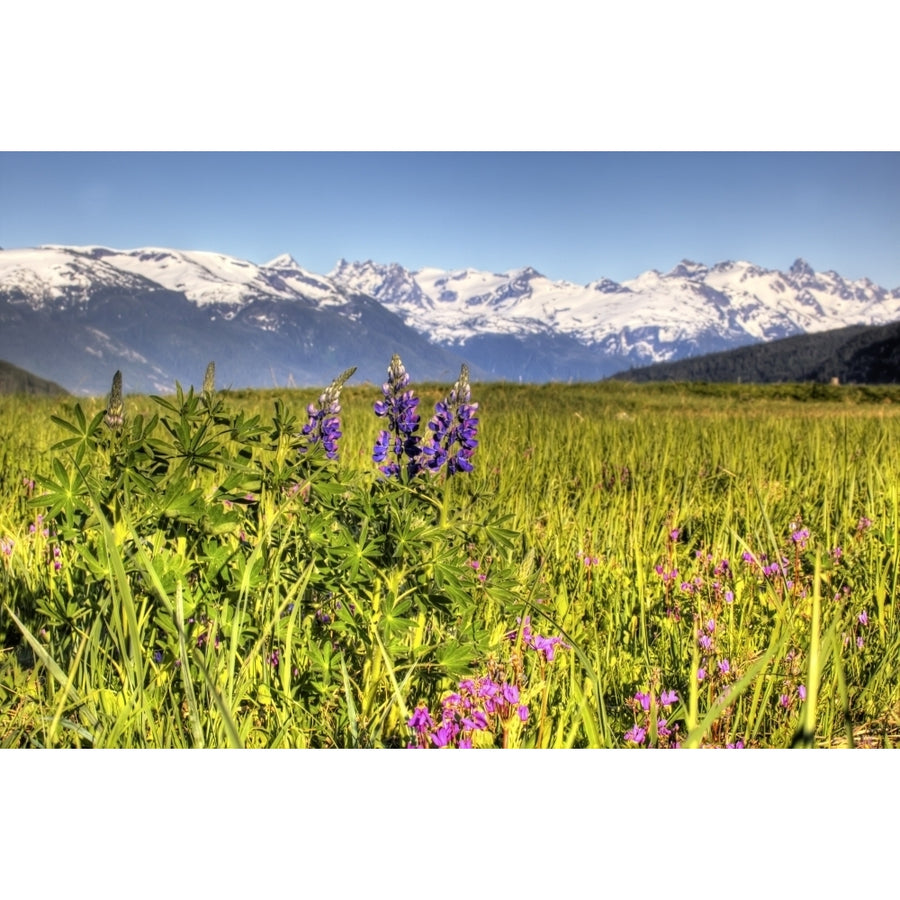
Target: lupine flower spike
[
  {"x": 324, "y": 417},
  {"x": 115, "y": 407},
  {"x": 399, "y": 408},
  {"x": 454, "y": 429},
  {"x": 209, "y": 380}
]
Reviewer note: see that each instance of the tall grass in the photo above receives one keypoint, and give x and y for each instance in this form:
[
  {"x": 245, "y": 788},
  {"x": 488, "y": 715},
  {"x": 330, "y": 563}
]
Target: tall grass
[{"x": 777, "y": 508}]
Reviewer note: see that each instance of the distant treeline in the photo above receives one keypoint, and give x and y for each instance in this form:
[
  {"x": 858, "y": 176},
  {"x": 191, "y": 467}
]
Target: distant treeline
[{"x": 859, "y": 354}]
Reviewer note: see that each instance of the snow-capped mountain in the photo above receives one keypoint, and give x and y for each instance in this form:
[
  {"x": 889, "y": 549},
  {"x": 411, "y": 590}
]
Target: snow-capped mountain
[
  {"x": 76, "y": 314},
  {"x": 606, "y": 326},
  {"x": 67, "y": 274}
]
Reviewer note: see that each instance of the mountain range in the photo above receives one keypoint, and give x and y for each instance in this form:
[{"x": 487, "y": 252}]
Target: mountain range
[{"x": 76, "y": 314}]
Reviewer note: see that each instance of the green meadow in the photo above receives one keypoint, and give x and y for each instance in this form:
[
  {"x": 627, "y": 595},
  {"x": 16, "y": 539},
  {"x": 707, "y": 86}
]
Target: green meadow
[{"x": 625, "y": 566}]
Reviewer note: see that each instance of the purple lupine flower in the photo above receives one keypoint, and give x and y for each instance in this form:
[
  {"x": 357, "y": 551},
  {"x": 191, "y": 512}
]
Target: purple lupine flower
[
  {"x": 400, "y": 438},
  {"x": 801, "y": 692},
  {"x": 724, "y": 666},
  {"x": 454, "y": 430},
  {"x": 863, "y": 618},
  {"x": 324, "y": 416},
  {"x": 643, "y": 699},
  {"x": 701, "y": 674},
  {"x": 864, "y": 524},
  {"x": 800, "y": 537},
  {"x": 6, "y": 546},
  {"x": 667, "y": 698},
  {"x": 737, "y": 745}
]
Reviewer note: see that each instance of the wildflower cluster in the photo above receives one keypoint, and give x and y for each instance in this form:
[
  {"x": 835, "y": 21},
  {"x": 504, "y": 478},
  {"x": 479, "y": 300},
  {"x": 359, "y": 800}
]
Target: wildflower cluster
[
  {"x": 490, "y": 703},
  {"x": 537, "y": 642},
  {"x": 453, "y": 428},
  {"x": 324, "y": 416},
  {"x": 479, "y": 704},
  {"x": 792, "y": 687},
  {"x": 712, "y": 665},
  {"x": 649, "y": 726},
  {"x": 39, "y": 544}
]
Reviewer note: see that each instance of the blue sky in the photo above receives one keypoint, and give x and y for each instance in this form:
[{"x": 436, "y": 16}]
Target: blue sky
[{"x": 577, "y": 216}]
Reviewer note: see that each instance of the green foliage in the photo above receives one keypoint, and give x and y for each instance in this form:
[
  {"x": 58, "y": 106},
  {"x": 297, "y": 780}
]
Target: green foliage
[
  {"x": 212, "y": 580},
  {"x": 203, "y": 575}
]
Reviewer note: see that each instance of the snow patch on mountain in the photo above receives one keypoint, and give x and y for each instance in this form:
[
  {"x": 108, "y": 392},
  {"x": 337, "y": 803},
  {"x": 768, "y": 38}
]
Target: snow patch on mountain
[{"x": 652, "y": 317}]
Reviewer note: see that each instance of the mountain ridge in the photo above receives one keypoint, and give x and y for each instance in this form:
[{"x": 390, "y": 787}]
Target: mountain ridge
[{"x": 68, "y": 311}]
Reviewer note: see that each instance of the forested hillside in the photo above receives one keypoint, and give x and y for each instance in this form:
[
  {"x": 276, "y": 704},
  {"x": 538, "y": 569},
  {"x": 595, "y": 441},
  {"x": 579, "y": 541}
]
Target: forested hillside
[{"x": 859, "y": 354}]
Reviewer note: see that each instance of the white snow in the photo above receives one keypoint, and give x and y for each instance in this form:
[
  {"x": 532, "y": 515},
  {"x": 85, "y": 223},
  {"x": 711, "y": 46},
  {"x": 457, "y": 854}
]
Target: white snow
[
  {"x": 735, "y": 299},
  {"x": 452, "y": 306}
]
